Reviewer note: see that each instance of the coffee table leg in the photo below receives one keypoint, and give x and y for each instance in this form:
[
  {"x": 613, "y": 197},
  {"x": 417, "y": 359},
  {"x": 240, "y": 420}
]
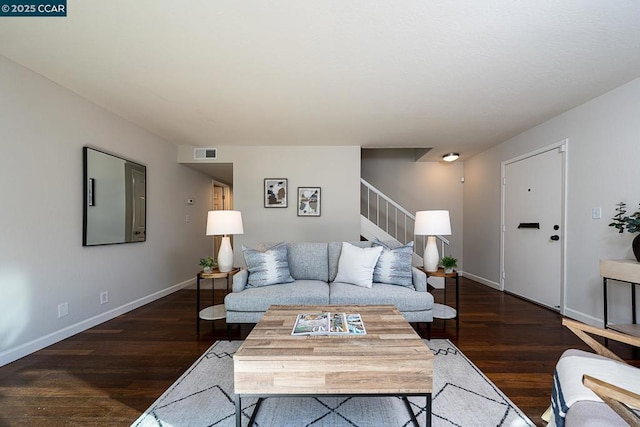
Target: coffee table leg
[
  {"x": 414, "y": 420},
  {"x": 238, "y": 411},
  {"x": 255, "y": 412}
]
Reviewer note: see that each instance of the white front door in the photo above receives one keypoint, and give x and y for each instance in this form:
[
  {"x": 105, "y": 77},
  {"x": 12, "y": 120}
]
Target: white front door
[{"x": 533, "y": 227}]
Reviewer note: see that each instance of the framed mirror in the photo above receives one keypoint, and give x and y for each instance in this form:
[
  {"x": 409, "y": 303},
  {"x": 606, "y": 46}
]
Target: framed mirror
[{"x": 115, "y": 205}]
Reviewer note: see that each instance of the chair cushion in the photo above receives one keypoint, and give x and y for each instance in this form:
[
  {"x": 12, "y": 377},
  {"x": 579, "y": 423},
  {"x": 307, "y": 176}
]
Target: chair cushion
[
  {"x": 592, "y": 414},
  {"x": 567, "y": 385}
]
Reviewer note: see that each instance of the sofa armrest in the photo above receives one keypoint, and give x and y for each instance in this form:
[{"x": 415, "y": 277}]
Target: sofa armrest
[
  {"x": 419, "y": 279},
  {"x": 240, "y": 280}
]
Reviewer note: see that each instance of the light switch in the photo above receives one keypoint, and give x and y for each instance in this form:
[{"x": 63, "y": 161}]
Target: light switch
[{"x": 596, "y": 213}]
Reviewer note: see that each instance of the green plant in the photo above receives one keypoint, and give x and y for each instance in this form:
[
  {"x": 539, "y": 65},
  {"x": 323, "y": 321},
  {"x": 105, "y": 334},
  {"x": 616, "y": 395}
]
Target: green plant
[
  {"x": 207, "y": 262},
  {"x": 621, "y": 221},
  {"x": 449, "y": 262}
]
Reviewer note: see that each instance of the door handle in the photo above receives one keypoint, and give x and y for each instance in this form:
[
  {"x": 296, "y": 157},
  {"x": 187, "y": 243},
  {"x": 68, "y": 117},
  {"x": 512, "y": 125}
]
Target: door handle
[{"x": 555, "y": 237}]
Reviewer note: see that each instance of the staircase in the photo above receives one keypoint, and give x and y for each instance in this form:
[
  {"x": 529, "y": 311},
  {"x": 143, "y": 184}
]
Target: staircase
[{"x": 382, "y": 218}]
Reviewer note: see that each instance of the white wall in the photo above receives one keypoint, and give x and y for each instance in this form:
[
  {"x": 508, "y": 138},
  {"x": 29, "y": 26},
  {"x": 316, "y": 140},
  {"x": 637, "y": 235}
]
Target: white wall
[
  {"x": 603, "y": 153},
  {"x": 42, "y": 260},
  {"x": 335, "y": 169},
  {"x": 418, "y": 186}
]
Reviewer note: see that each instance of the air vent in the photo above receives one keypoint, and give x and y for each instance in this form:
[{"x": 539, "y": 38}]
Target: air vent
[{"x": 205, "y": 153}]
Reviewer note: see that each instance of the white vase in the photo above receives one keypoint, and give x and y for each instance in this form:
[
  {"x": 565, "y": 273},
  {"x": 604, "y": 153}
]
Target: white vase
[
  {"x": 225, "y": 255},
  {"x": 431, "y": 258}
]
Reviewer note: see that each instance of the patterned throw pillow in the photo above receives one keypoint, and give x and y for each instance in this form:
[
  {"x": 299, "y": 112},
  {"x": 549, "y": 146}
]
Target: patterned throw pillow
[
  {"x": 394, "y": 265},
  {"x": 356, "y": 265},
  {"x": 269, "y": 267}
]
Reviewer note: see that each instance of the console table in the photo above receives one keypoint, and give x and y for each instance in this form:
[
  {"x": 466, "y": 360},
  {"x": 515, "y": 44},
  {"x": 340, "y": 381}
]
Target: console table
[
  {"x": 214, "y": 311},
  {"x": 627, "y": 271},
  {"x": 443, "y": 311}
]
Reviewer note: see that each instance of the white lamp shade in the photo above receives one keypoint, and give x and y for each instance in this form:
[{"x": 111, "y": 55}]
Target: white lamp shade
[
  {"x": 432, "y": 223},
  {"x": 224, "y": 223}
]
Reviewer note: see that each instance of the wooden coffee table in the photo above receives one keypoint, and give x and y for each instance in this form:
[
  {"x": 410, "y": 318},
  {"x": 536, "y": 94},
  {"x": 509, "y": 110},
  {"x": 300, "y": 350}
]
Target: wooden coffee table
[{"x": 391, "y": 359}]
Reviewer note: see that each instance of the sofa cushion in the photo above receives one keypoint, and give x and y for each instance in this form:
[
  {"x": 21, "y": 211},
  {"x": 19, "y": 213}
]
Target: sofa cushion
[
  {"x": 304, "y": 292},
  {"x": 269, "y": 267},
  {"x": 308, "y": 261},
  {"x": 356, "y": 264},
  {"x": 394, "y": 265},
  {"x": 405, "y": 299},
  {"x": 335, "y": 248}
]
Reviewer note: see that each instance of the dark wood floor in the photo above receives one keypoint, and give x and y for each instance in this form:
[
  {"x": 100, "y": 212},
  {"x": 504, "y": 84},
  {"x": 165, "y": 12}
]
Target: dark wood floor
[{"x": 110, "y": 374}]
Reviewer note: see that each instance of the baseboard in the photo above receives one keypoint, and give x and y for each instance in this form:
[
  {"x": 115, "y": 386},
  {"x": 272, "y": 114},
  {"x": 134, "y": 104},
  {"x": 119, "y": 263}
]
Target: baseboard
[
  {"x": 25, "y": 349},
  {"x": 584, "y": 318},
  {"x": 481, "y": 280}
]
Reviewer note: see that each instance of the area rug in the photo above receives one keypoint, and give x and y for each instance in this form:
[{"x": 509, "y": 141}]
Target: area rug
[{"x": 462, "y": 396}]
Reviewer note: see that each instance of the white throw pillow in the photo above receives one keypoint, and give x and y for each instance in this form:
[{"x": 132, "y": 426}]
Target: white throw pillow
[{"x": 356, "y": 265}]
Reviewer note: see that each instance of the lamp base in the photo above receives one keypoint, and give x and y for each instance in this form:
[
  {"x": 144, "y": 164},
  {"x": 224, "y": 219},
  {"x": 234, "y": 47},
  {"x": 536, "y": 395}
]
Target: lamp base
[
  {"x": 225, "y": 255},
  {"x": 431, "y": 258}
]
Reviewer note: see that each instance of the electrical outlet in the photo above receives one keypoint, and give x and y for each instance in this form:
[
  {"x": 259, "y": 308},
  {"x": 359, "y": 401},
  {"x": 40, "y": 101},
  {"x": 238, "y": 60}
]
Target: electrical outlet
[
  {"x": 63, "y": 309},
  {"x": 104, "y": 297}
]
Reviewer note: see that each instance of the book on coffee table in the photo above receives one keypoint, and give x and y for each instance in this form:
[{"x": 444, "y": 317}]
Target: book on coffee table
[{"x": 326, "y": 323}]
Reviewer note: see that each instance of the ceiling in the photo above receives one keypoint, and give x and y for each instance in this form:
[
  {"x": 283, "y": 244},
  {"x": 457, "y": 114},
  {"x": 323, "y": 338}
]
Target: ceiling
[{"x": 447, "y": 75}]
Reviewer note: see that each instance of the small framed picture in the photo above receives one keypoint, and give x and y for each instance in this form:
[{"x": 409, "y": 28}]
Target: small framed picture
[
  {"x": 309, "y": 201},
  {"x": 275, "y": 193}
]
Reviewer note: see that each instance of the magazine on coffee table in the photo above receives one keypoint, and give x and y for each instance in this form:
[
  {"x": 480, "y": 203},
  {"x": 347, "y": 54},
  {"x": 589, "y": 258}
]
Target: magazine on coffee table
[{"x": 326, "y": 323}]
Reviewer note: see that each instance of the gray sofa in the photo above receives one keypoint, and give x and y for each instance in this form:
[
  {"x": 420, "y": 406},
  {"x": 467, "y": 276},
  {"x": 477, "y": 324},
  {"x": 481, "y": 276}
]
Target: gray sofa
[{"x": 314, "y": 267}]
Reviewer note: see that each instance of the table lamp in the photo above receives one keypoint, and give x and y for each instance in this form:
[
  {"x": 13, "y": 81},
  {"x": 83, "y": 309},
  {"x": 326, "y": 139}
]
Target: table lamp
[
  {"x": 432, "y": 224},
  {"x": 223, "y": 223}
]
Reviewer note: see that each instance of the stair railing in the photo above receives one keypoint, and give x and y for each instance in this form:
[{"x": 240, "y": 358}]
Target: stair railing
[{"x": 392, "y": 218}]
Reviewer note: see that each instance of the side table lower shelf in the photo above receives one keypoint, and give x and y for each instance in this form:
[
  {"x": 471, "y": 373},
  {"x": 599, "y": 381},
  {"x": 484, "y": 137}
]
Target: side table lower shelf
[
  {"x": 441, "y": 311},
  {"x": 214, "y": 312}
]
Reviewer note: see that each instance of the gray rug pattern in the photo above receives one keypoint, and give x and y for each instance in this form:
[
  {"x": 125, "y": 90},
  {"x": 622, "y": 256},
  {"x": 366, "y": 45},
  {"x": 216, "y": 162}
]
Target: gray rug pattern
[{"x": 462, "y": 396}]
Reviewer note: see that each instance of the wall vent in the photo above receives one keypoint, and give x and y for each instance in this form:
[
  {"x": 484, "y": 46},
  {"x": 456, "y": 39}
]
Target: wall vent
[{"x": 205, "y": 153}]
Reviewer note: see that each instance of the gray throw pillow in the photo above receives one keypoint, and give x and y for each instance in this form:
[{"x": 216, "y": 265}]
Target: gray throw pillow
[
  {"x": 394, "y": 265},
  {"x": 269, "y": 267}
]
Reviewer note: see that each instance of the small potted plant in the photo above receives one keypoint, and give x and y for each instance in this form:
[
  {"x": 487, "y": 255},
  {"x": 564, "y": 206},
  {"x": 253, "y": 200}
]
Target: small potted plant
[
  {"x": 448, "y": 263},
  {"x": 631, "y": 223},
  {"x": 207, "y": 264}
]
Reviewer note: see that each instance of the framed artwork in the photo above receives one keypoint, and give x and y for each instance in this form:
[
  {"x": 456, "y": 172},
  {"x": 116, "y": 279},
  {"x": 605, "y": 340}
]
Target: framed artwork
[
  {"x": 275, "y": 193},
  {"x": 309, "y": 201}
]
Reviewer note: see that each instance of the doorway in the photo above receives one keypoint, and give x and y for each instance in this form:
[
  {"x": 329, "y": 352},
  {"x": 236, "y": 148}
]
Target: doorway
[
  {"x": 533, "y": 224},
  {"x": 221, "y": 200}
]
